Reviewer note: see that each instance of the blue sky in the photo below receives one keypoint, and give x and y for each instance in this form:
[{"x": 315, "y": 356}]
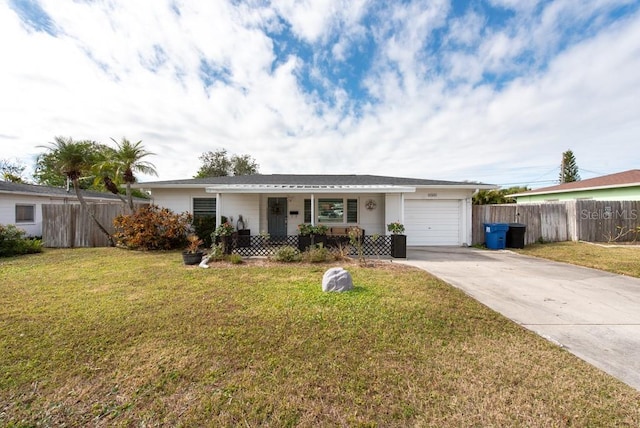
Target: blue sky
[{"x": 490, "y": 91}]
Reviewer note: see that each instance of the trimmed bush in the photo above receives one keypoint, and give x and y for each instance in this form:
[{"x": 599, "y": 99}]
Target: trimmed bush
[
  {"x": 318, "y": 254},
  {"x": 152, "y": 228},
  {"x": 287, "y": 253},
  {"x": 14, "y": 242},
  {"x": 235, "y": 259}
]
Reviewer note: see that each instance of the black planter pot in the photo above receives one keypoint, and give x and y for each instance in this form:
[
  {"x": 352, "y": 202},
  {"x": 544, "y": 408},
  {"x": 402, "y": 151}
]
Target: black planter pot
[
  {"x": 244, "y": 238},
  {"x": 304, "y": 242},
  {"x": 399, "y": 246},
  {"x": 192, "y": 258},
  {"x": 319, "y": 239},
  {"x": 227, "y": 244}
]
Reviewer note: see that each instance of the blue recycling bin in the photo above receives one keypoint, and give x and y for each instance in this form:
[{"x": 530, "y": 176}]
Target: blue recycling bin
[{"x": 495, "y": 235}]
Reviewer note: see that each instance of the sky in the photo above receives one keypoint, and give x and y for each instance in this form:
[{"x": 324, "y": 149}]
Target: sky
[{"x": 482, "y": 90}]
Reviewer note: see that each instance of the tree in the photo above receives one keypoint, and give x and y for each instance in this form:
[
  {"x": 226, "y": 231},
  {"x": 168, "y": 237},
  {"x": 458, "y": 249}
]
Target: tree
[
  {"x": 243, "y": 165},
  {"x": 122, "y": 163},
  {"x": 11, "y": 171},
  {"x": 568, "y": 168},
  {"x": 218, "y": 164},
  {"x": 497, "y": 196},
  {"x": 47, "y": 173},
  {"x": 73, "y": 159}
]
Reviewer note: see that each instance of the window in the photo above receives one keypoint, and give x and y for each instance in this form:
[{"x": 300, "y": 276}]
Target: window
[
  {"x": 352, "y": 210},
  {"x": 204, "y": 207},
  {"x": 333, "y": 210},
  {"x": 307, "y": 210},
  {"x": 25, "y": 213}
]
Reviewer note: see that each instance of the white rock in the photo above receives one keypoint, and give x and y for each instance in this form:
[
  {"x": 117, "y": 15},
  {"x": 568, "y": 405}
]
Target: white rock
[{"x": 337, "y": 279}]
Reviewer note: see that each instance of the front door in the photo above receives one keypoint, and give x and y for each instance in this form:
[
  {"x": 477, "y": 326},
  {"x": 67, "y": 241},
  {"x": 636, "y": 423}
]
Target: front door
[{"x": 277, "y": 217}]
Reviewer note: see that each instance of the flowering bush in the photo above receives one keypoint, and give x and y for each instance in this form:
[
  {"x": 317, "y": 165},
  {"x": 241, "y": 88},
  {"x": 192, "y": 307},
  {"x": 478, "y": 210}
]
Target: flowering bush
[
  {"x": 396, "y": 228},
  {"x": 225, "y": 229},
  {"x": 320, "y": 229},
  {"x": 305, "y": 229}
]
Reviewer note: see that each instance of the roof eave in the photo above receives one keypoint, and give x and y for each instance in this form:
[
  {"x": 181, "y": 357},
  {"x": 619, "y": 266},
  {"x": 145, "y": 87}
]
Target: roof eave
[
  {"x": 579, "y": 189},
  {"x": 293, "y": 188}
]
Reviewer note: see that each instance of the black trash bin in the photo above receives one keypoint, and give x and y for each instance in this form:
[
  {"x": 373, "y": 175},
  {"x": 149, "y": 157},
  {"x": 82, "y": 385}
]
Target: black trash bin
[{"x": 515, "y": 235}]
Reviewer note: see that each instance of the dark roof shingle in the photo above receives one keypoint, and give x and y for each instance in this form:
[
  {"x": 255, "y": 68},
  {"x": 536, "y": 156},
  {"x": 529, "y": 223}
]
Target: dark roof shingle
[{"x": 309, "y": 180}]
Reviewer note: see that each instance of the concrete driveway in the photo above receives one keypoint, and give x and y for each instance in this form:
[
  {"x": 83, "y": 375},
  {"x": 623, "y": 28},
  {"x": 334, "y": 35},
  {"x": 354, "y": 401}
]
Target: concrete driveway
[{"x": 593, "y": 314}]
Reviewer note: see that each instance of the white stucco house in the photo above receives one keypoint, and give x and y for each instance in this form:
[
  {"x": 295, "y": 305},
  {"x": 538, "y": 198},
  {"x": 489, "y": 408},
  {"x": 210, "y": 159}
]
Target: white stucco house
[
  {"x": 21, "y": 204},
  {"x": 434, "y": 212}
]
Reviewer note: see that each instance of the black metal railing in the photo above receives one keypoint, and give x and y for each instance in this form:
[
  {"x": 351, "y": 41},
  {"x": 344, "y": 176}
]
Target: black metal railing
[{"x": 257, "y": 245}]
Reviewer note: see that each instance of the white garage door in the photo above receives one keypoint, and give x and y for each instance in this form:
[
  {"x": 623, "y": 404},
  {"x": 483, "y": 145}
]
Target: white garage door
[{"x": 430, "y": 222}]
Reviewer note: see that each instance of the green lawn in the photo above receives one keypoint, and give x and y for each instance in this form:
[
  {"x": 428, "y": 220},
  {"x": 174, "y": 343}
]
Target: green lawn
[
  {"x": 106, "y": 337},
  {"x": 619, "y": 259}
]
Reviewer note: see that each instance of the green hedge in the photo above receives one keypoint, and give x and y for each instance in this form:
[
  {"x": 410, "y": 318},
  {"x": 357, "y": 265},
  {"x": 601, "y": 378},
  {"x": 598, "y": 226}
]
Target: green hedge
[{"x": 14, "y": 242}]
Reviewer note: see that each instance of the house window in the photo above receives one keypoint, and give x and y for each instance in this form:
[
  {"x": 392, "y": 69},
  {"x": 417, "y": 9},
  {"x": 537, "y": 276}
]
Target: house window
[
  {"x": 307, "y": 210},
  {"x": 25, "y": 213},
  {"x": 333, "y": 210},
  {"x": 352, "y": 210},
  {"x": 204, "y": 207}
]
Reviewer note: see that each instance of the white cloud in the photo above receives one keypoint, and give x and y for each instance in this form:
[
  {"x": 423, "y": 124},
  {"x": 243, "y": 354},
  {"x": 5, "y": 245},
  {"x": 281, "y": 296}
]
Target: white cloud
[
  {"x": 432, "y": 114},
  {"x": 467, "y": 29},
  {"x": 519, "y": 5}
]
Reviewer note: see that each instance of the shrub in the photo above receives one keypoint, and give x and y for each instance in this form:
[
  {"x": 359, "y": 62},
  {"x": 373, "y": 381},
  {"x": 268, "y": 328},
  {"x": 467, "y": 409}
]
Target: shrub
[
  {"x": 341, "y": 251},
  {"x": 235, "y": 258},
  {"x": 217, "y": 252},
  {"x": 152, "y": 228},
  {"x": 13, "y": 242},
  {"x": 203, "y": 227},
  {"x": 287, "y": 253},
  {"x": 317, "y": 255}
]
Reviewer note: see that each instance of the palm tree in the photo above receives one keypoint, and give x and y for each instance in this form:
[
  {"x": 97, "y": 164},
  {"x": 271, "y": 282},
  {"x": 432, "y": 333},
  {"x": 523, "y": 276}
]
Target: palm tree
[
  {"x": 127, "y": 160},
  {"x": 73, "y": 159}
]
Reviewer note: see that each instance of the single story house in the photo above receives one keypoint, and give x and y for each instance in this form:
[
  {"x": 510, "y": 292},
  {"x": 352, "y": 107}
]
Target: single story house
[
  {"x": 622, "y": 186},
  {"x": 434, "y": 212},
  {"x": 21, "y": 204}
]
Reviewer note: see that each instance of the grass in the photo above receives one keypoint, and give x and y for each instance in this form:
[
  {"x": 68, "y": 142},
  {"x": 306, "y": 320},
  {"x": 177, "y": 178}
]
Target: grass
[
  {"x": 105, "y": 337},
  {"x": 623, "y": 260}
]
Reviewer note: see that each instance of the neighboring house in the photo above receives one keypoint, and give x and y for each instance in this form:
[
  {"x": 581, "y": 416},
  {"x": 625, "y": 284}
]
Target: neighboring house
[
  {"x": 434, "y": 212},
  {"x": 21, "y": 204},
  {"x": 622, "y": 186}
]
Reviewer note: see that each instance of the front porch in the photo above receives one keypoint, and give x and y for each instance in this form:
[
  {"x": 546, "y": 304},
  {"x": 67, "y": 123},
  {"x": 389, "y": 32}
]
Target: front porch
[{"x": 265, "y": 246}]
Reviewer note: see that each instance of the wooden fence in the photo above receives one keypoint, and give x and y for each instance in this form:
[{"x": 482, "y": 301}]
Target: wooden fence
[
  {"x": 593, "y": 221},
  {"x": 69, "y": 226}
]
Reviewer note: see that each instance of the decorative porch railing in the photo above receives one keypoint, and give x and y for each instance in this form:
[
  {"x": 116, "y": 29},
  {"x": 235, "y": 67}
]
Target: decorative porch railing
[{"x": 256, "y": 245}]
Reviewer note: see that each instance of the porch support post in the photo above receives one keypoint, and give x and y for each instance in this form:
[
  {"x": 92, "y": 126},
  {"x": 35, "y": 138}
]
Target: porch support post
[
  {"x": 218, "y": 208},
  {"x": 313, "y": 209}
]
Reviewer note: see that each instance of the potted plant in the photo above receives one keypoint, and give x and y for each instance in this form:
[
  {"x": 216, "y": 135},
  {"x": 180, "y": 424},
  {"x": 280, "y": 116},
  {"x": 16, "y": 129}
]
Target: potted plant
[
  {"x": 304, "y": 236},
  {"x": 398, "y": 240},
  {"x": 319, "y": 235},
  {"x": 192, "y": 255},
  {"x": 224, "y": 232}
]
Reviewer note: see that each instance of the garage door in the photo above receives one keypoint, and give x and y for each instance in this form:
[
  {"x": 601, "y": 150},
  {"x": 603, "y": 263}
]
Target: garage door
[{"x": 430, "y": 222}]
